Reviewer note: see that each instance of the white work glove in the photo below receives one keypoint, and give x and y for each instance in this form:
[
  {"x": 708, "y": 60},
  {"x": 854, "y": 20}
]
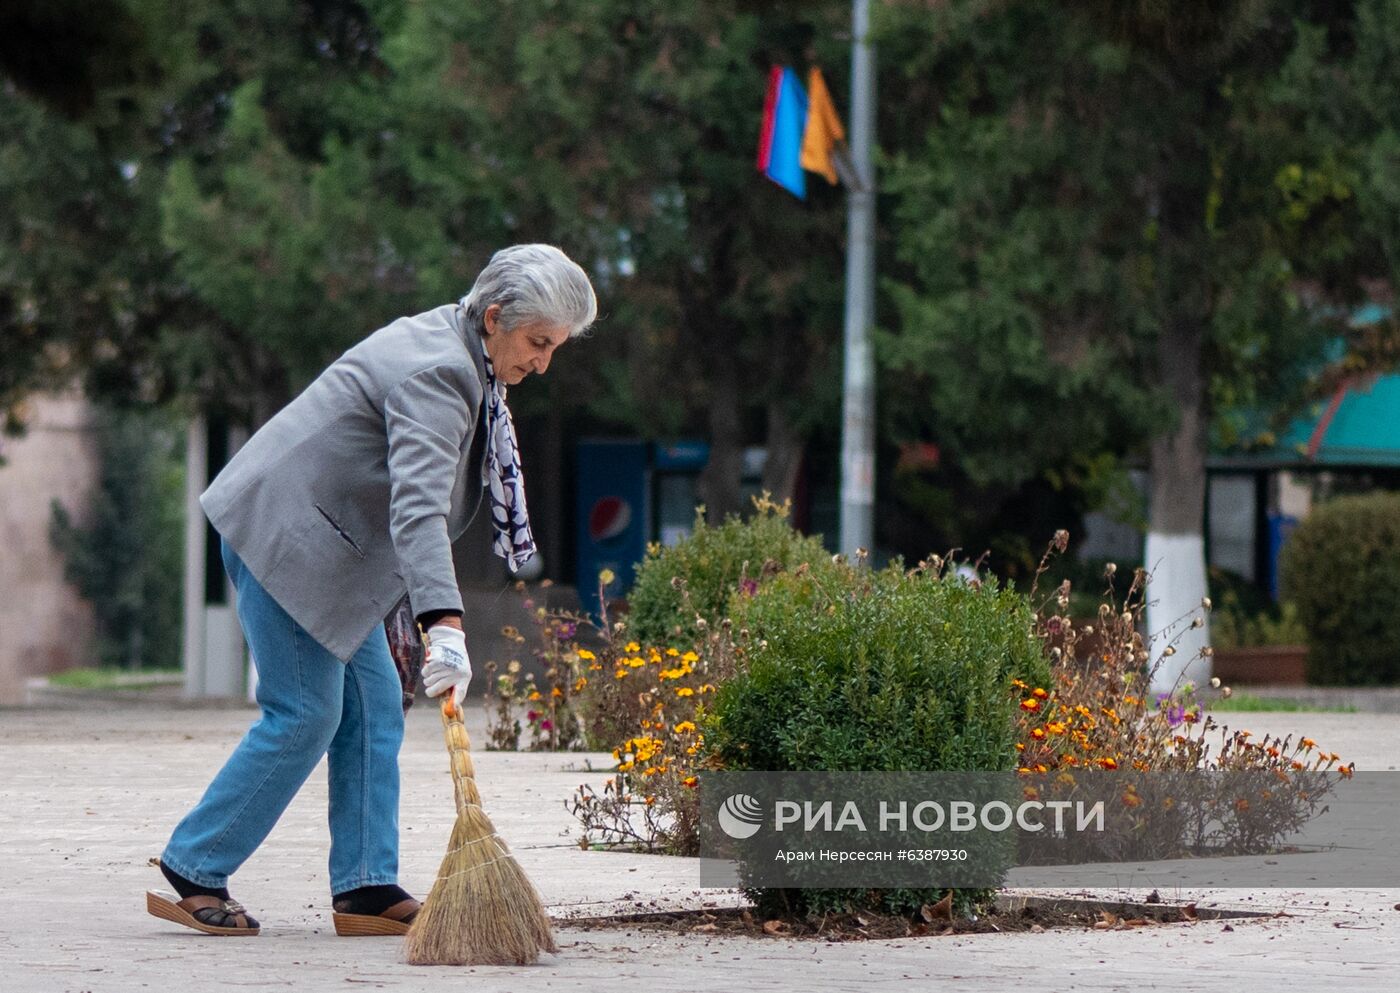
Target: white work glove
[{"x": 447, "y": 666}]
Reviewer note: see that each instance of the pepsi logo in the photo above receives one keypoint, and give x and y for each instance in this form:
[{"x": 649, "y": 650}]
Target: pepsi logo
[{"x": 609, "y": 518}]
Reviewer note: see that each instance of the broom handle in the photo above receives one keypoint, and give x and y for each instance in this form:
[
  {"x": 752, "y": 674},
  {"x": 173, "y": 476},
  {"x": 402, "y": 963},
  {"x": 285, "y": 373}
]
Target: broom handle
[{"x": 459, "y": 756}]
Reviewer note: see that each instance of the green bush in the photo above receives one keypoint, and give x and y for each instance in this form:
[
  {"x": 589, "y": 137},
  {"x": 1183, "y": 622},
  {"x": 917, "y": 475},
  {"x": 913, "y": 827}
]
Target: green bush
[
  {"x": 1342, "y": 569},
  {"x": 713, "y": 562},
  {"x": 128, "y": 557},
  {"x": 854, "y": 670}
]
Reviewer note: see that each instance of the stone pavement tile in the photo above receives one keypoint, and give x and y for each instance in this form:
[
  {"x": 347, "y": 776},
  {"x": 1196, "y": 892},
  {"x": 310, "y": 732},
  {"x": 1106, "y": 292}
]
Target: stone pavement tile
[{"x": 88, "y": 796}]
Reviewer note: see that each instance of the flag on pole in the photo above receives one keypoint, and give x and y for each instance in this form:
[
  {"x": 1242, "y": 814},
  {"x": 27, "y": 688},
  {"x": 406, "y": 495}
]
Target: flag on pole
[
  {"x": 823, "y": 132},
  {"x": 784, "y": 120}
]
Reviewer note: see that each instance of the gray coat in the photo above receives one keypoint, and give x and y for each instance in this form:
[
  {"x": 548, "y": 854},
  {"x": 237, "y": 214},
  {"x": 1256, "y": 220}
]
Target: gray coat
[{"x": 355, "y": 491}]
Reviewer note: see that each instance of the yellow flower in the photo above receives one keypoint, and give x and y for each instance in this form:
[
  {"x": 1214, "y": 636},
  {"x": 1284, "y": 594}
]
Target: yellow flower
[
  {"x": 556, "y": 693},
  {"x": 635, "y": 662},
  {"x": 1037, "y": 733},
  {"x": 579, "y": 684},
  {"x": 586, "y": 655},
  {"x": 595, "y": 667},
  {"x": 673, "y": 652},
  {"x": 685, "y": 727},
  {"x": 620, "y": 673},
  {"x": 631, "y": 646},
  {"x": 689, "y": 781},
  {"x": 685, "y": 691},
  {"x": 1055, "y": 727},
  {"x": 534, "y": 695},
  {"x": 625, "y": 766},
  {"x": 606, "y": 577},
  {"x": 1039, "y": 693},
  {"x": 690, "y": 657},
  {"x": 708, "y": 688}
]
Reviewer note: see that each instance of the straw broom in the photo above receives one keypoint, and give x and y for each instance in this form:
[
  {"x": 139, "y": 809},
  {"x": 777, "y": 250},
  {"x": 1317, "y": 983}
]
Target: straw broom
[{"x": 483, "y": 909}]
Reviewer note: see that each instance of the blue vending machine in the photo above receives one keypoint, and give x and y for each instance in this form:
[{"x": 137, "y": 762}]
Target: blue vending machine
[{"x": 613, "y": 516}]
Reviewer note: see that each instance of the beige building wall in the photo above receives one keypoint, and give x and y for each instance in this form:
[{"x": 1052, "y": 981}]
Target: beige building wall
[{"x": 44, "y": 625}]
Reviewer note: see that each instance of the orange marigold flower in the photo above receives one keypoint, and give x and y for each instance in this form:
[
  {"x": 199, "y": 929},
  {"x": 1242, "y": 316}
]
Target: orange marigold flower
[
  {"x": 1055, "y": 727},
  {"x": 1041, "y": 767},
  {"x": 1039, "y": 693},
  {"x": 1020, "y": 746},
  {"x": 1030, "y": 704},
  {"x": 1037, "y": 733},
  {"x": 556, "y": 693},
  {"x": 534, "y": 695},
  {"x": 1019, "y": 685},
  {"x": 580, "y": 683},
  {"x": 1108, "y": 762},
  {"x": 1347, "y": 770},
  {"x": 1131, "y": 800},
  {"x": 689, "y": 781},
  {"x": 1307, "y": 744}
]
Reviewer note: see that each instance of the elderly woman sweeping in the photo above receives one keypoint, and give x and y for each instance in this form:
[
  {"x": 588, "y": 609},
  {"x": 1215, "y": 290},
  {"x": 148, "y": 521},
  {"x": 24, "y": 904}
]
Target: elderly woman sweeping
[{"x": 349, "y": 497}]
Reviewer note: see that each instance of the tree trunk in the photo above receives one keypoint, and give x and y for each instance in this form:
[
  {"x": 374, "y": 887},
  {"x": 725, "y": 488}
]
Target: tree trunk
[
  {"x": 784, "y": 454},
  {"x": 1175, "y": 553},
  {"x": 1175, "y": 550},
  {"x": 719, "y": 481}
]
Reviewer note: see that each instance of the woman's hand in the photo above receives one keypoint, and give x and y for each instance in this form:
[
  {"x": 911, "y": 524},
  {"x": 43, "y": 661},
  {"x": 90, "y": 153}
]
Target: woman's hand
[{"x": 447, "y": 666}]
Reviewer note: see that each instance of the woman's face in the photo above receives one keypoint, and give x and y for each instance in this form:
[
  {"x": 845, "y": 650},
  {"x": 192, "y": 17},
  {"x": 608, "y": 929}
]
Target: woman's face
[{"x": 526, "y": 349}]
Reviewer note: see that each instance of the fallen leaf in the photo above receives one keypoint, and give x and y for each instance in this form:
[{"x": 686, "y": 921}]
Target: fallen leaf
[
  {"x": 775, "y": 927},
  {"x": 945, "y": 932},
  {"x": 1107, "y": 918},
  {"x": 1037, "y": 929},
  {"x": 1188, "y": 912},
  {"x": 942, "y": 910},
  {"x": 705, "y": 928}
]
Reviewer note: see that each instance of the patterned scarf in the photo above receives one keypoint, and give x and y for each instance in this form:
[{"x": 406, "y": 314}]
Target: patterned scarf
[{"x": 513, "y": 541}]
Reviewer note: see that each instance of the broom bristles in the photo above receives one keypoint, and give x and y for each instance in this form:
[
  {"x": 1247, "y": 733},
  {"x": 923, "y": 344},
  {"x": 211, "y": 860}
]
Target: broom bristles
[{"x": 483, "y": 909}]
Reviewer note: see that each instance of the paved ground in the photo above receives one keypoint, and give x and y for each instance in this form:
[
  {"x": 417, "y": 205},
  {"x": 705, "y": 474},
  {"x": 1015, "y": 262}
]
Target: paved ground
[{"x": 89, "y": 792}]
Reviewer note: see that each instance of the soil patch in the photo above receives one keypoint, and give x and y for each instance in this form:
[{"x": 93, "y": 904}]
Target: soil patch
[{"x": 1012, "y": 915}]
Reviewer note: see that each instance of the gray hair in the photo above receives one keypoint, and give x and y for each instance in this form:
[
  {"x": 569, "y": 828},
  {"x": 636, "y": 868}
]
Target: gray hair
[{"x": 533, "y": 284}]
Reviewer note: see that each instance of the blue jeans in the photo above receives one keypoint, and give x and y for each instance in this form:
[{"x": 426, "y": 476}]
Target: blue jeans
[{"x": 312, "y": 705}]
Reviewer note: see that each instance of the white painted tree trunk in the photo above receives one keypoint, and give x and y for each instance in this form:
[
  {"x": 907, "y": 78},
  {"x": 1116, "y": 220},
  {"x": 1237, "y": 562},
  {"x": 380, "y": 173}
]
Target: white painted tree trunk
[{"x": 1178, "y": 566}]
